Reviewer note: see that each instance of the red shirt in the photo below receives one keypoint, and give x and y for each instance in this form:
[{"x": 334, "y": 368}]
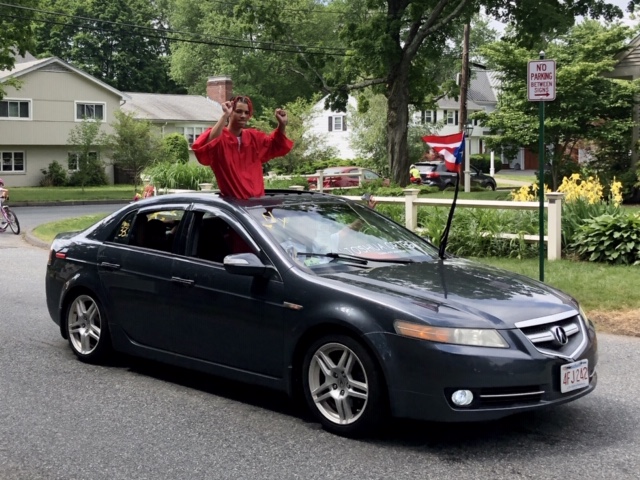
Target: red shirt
[{"x": 238, "y": 167}]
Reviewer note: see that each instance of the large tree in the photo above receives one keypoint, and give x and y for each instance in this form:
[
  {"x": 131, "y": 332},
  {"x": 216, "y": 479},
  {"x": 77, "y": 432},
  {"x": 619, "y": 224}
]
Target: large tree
[
  {"x": 589, "y": 106},
  {"x": 121, "y": 42},
  {"x": 15, "y": 34},
  {"x": 397, "y": 45}
]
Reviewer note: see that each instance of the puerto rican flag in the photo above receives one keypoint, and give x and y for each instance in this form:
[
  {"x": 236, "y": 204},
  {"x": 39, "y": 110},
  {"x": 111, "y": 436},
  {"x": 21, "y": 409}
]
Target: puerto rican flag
[{"x": 450, "y": 146}]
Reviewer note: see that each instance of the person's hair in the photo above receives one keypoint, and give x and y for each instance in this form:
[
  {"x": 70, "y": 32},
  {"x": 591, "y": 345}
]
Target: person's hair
[{"x": 243, "y": 99}]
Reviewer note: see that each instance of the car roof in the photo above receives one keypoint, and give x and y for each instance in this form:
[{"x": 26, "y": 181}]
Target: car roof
[{"x": 272, "y": 197}]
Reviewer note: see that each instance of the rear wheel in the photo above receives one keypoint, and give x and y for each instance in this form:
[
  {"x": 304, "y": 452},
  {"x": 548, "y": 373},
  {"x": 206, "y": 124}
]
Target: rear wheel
[
  {"x": 343, "y": 387},
  {"x": 12, "y": 220},
  {"x": 87, "y": 329}
]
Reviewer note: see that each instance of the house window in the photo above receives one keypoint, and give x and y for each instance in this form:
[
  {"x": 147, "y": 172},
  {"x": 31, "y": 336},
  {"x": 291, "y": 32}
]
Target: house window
[
  {"x": 451, "y": 117},
  {"x": 90, "y": 111},
  {"x": 12, "y": 162},
  {"x": 428, "y": 116},
  {"x": 192, "y": 133},
  {"x": 338, "y": 123},
  {"x": 73, "y": 160},
  {"x": 15, "y": 109}
]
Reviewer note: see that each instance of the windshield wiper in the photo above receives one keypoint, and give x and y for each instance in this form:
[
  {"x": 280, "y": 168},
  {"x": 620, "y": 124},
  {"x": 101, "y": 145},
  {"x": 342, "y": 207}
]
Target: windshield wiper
[{"x": 355, "y": 258}]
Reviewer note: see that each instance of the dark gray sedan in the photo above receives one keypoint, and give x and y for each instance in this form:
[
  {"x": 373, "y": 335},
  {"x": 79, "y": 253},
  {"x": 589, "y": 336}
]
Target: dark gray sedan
[{"x": 323, "y": 297}]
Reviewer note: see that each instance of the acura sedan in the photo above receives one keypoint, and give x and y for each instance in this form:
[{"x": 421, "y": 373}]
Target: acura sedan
[{"x": 322, "y": 297}]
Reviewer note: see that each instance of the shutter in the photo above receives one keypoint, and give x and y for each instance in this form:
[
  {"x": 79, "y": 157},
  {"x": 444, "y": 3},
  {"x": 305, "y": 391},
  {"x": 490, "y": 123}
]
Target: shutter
[
  {"x": 423, "y": 115},
  {"x": 344, "y": 123},
  {"x": 456, "y": 117},
  {"x": 435, "y": 116},
  {"x": 330, "y": 124}
]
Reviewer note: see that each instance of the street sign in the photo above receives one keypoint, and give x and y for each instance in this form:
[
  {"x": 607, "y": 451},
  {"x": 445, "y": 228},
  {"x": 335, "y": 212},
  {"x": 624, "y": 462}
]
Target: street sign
[{"x": 541, "y": 80}]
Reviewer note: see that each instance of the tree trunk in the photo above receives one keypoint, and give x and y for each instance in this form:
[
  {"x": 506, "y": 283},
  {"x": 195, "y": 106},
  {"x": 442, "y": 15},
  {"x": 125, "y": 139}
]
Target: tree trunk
[{"x": 398, "y": 127}]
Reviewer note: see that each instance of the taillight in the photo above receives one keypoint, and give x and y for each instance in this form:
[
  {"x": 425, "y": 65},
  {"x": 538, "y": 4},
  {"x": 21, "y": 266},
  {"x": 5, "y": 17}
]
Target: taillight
[
  {"x": 53, "y": 255},
  {"x": 433, "y": 175}
]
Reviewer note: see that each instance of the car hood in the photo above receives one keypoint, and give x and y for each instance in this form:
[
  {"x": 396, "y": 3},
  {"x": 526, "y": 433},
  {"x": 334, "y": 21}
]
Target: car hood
[{"x": 459, "y": 292}]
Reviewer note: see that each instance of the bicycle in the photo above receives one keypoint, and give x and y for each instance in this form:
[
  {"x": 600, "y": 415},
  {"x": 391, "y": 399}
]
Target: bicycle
[{"x": 8, "y": 219}]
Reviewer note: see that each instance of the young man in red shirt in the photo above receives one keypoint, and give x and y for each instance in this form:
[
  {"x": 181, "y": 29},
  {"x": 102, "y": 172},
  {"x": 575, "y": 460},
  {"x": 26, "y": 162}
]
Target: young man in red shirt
[{"x": 236, "y": 154}]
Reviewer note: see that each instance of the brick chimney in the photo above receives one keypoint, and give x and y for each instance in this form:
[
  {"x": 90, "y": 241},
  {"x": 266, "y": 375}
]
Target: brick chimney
[{"x": 219, "y": 89}]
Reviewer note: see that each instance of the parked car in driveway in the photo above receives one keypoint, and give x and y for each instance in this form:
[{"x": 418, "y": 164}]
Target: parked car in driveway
[
  {"x": 435, "y": 174},
  {"x": 315, "y": 294},
  {"x": 342, "y": 181}
]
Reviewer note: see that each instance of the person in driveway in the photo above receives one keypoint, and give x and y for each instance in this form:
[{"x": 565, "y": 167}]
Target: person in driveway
[{"x": 236, "y": 154}]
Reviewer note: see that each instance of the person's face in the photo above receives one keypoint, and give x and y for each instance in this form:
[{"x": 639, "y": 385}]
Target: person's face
[{"x": 240, "y": 115}]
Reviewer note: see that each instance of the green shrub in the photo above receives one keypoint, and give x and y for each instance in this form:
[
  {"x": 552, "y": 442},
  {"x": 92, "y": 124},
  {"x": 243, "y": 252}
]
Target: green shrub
[
  {"x": 54, "y": 176},
  {"x": 482, "y": 161},
  {"x": 610, "y": 239},
  {"x": 576, "y": 212},
  {"x": 176, "y": 148},
  {"x": 283, "y": 183},
  {"x": 179, "y": 175},
  {"x": 92, "y": 175}
]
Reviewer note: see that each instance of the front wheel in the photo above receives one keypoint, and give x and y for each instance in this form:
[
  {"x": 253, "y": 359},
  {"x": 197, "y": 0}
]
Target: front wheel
[
  {"x": 343, "y": 387},
  {"x": 12, "y": 220},
  {"x": 87, "y": 329}
]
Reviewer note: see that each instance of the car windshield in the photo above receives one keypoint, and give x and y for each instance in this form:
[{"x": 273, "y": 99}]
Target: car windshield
[{"x": 322, "y": 233}]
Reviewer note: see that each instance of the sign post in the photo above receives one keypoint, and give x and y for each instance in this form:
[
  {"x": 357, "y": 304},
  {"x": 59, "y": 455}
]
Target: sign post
[{"x": 541, "y": 87}]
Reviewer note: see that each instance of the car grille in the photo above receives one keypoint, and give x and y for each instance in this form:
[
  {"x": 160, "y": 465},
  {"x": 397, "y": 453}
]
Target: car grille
[{"x": 558, "y": 335}]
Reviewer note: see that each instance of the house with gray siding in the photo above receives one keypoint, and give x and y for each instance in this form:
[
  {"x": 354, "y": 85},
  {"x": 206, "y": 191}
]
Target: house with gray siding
[
  {"x": 53, "y": 97},
  {"x": 36, "y": 118}
]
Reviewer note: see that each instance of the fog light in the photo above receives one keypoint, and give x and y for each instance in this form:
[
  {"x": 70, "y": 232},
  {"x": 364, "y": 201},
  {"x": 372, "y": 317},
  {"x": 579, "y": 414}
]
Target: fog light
[{"x": 462, "y": 398}]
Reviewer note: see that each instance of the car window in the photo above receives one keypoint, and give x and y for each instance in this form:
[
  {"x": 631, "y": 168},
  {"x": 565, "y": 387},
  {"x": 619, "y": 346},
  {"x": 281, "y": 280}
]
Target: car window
[
  {"x": 369, "y": 175},
  {"x": 426, "y": 168},
  {"x": 149, "y": 229},
  {"x": 213, "y": 238},
  {"x": 350, "y": 229}
]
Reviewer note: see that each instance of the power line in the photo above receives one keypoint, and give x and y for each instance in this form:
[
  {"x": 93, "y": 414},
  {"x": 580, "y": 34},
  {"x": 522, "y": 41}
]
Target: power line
[
  {"x": 297, "y": 10},
  {"x": 250, "y": 44}
]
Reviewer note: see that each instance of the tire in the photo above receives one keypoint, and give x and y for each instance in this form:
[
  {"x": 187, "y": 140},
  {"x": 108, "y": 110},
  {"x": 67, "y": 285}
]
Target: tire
[
  {"x": 14, "y": 224},
  {"x": 87, "y": 329},
  {"x": 343, "y": 386}
]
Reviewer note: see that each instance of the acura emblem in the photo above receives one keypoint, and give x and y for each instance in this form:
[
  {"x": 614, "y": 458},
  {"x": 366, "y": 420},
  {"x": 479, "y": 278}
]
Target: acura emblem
[{"x": 560, "y": 335}]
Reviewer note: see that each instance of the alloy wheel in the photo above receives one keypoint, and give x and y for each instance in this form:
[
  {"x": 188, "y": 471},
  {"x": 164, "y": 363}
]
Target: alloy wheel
[
  {"x": 84, "y": 324},
  {"x": 338, "y": 383}
]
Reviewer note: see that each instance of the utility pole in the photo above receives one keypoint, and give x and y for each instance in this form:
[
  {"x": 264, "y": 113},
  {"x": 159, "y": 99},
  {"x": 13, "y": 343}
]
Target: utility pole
[{"x": 462, "y": 117}]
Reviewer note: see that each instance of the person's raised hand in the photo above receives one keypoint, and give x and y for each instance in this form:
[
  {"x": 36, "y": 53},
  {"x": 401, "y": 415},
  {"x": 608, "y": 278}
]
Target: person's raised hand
[
  {"x": 227, "y": 108},
  {"x": 372, "y": 202},
  {"x": 281, "y": 116}
]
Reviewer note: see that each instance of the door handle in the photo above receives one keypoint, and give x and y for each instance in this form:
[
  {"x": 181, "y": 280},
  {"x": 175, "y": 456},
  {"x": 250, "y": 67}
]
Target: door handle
[
  {"x": 110, "y": 266},
  {"x": 183, "y": 281}
]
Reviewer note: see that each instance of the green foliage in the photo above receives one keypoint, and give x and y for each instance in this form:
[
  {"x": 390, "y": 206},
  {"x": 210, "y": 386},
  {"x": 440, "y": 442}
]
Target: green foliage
[
  {"x": 589, "y": 106},
  {"x": 15, "y": 36},
  {"x": 118, "y": 49},
  {"x": 54, "y": 176},
  {"x": 85, "y": 139},
  {"x": 609, "y": 238},
  {"x": 276, "y": 183},
  {"x": 176, "y": 148},
  {"x": 482, "y": 161},
  {"x": 179, "y": 175},
  {"x": 134, "y": 144},
  {"x": 579, "y": 211},
  {"x": 476, "y": 231}
]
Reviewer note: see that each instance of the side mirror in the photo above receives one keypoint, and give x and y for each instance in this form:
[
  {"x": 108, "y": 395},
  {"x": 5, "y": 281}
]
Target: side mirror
[{"x": 247, "y": 264}]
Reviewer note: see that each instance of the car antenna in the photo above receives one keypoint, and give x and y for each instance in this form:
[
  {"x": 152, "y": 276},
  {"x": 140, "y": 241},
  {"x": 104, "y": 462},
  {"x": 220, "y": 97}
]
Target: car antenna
[{"x": 445, "y": 233}]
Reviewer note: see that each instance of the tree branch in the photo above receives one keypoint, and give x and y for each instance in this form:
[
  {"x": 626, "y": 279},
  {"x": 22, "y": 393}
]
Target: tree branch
[
  {"x": 431, "y": 25},
  {"x": 366, "y": 83}
]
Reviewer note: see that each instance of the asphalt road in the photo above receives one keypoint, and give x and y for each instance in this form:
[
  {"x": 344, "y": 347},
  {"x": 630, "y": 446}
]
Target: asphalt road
[{"x": 61, "y": 419}]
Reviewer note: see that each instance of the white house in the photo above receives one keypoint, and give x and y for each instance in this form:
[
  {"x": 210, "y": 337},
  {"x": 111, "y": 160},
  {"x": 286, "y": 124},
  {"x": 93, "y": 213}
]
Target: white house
[{"x": 333, "y": 126}]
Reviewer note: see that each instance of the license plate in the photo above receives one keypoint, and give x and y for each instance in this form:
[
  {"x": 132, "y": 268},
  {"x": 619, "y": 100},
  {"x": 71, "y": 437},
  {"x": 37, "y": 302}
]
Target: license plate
[{"x": 574, "y": 376}]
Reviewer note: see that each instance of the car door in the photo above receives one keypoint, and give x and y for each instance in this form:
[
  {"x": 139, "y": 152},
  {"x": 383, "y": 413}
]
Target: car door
[
  {"x": 134, "y": 266},
  {"x": 228, "y": 319}
]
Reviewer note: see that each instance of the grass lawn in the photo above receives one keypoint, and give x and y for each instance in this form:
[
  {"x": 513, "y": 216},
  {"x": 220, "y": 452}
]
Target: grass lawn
[{"x": 68, "y": 194}]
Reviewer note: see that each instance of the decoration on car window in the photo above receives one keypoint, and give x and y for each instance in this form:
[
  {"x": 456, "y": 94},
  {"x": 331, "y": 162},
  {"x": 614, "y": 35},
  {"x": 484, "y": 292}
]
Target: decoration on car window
[
  {"x": 124, "y": 229},
  {"x": 271, "y": 220}
]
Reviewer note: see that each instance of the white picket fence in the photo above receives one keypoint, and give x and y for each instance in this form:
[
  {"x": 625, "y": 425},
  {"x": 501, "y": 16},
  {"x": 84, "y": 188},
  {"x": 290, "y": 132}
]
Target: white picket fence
[{"x": 553, "y": 205}]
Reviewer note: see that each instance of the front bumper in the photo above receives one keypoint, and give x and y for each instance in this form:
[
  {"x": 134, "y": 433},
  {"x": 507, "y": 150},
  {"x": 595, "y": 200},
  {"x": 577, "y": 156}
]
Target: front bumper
[{"x": 422, "y": 375}]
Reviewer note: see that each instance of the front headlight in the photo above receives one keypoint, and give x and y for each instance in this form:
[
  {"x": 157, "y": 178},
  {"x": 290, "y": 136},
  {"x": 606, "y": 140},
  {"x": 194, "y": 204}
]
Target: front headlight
[
  {"x": 588, "y": 322},
  {"x": 460, "y": 336}
]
